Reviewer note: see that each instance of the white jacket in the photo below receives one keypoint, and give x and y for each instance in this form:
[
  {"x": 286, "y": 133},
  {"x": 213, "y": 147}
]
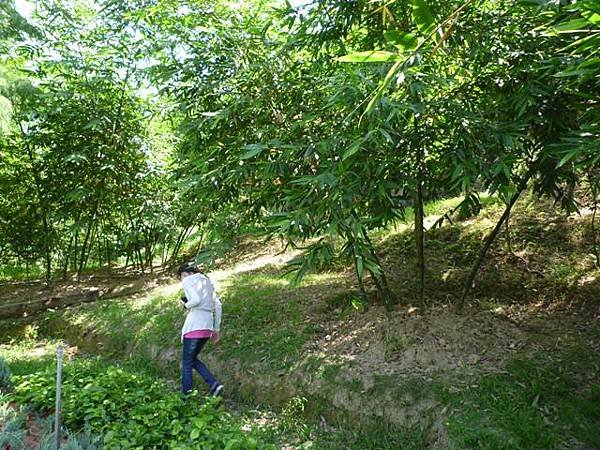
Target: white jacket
[{"x": 203, "y": 305}]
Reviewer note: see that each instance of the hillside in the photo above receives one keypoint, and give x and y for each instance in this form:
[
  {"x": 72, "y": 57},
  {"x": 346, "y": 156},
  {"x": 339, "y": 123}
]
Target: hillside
[{"x": 517, "y": 369}]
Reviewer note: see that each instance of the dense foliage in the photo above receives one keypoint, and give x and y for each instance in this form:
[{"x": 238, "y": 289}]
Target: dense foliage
[
  {"x": 314, "y": 122},
  {"x": 132, "y": 410}
]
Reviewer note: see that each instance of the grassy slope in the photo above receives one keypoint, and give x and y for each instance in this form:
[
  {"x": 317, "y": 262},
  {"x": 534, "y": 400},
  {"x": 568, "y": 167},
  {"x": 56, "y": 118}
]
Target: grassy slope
[{"x": 518, "y": 371}]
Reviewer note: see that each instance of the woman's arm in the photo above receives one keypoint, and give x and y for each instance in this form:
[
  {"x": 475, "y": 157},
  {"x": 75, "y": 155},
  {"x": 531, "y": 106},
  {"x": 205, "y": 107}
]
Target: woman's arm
[
  {"x": 190, "y": 287},
  {"x": 217, "y": 313}
]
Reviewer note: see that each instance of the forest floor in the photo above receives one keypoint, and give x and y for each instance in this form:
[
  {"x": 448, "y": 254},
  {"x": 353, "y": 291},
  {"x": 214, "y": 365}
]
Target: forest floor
[{"x": 517, "y": 369}]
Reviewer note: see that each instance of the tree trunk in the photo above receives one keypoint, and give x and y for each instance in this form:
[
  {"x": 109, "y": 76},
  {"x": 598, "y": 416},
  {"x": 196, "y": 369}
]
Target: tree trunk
[
  {"x": 594, "y": 239},
  {"x": 43, "y": 207},
  {"x": 380, "y": 280},
  {"x": 83, "y": 250},
  {"x": 17, "y": 310},
  {"x": 180, "y": 240},
  {"x": 487, "y": 244},
  {"x": 140, "y": 258},
  {"x": 75, "y": 245},
  {"x": 108, "y": 254},
  {"x": 508, "y": 237},
  {"x": 361, "y": 282},
  {"x": 419, "y": 228},
  {"x": 67, "y": 256}
]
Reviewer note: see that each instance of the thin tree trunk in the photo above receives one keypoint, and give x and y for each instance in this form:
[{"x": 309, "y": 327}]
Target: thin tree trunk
[
  {"x": 380, "y": 279},
  {"x": 48, "y": 255},
  {"x": 594, "y": 239},
  {"x": 508, "y": 237},
  {"x": 487, "y": 244},
  {"x": 140, "y": 258},
  {"x": 165, "y": 250},
  {"x": 83, "y": 250},
  {"x": 75, "y": 245},
  {"x": 100, "y": 253},
  {"x": 180, "y": 240},
  {"x": 361, "y": 282},
  {"x": 67, "y": 256},
  {"x": 43, "y": 207},
  {"x": 177, "y": 244},
  {"x": 91, "y": 246},
  {"x": 108, "y": 254},
  {"x": 419, "y": 228}
]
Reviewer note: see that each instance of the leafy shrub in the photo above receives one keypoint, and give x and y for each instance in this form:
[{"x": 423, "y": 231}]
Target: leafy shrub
[
  {"x": 12, "y": 430},
  {"x": 133, "y": 410},
  {"x": 5, "y": 383}
]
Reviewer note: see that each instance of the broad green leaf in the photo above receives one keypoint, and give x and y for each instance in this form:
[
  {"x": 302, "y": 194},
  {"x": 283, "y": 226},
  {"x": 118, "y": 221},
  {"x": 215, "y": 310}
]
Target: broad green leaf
[
  {"x": 402, "y": 40},
  {"x": 370, "y": 56},
  {"x": 354, "y": 147},
  {"x": 252, "y": 150},
  {"x": 386, "y": 82},
  {"x": 94, "y": 124},
  {"x": 583, "y": 44},
  {"x": 572, "y": 26},
  {"x": 76, "y": 158},
  {"x": 360, "y": 267},
  {"x": 587, "y": 68},
  {"x": 423, "y": 17}
]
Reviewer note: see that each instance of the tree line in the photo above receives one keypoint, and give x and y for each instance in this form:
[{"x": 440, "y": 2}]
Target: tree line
[{"x": 127, "y": 126}]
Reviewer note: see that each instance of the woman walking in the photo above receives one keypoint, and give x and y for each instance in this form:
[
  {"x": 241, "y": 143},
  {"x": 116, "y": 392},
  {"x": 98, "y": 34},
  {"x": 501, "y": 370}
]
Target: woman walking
[{"x": 202, "y": 323}]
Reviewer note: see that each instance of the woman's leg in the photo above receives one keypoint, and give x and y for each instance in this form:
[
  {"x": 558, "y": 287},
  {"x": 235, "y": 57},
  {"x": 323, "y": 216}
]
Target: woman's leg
[
  {"x": 201, "y": 368},
  {"x": 187, "y": 362}
]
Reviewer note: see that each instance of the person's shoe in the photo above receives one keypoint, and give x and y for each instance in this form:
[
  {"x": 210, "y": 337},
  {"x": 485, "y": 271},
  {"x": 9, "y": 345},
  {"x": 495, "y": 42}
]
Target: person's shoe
[{"x": 216, "y": 391}]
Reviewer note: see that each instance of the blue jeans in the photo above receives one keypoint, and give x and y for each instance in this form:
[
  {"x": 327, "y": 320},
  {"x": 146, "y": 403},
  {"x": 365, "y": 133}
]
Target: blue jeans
[{"x": 191, "y": 348}]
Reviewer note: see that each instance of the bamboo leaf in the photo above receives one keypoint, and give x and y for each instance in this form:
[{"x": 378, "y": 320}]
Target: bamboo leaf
[
  {"x": 360, "y": 268},
  {"x": 354, "y": 147},
  {"x": 252, "y": 150},
  {"x": 423, "y": 17},
  {"x": 402, "y": 40},
  {"x": 571, "y": 26},
  {"x": 386, "y": 82},
  {"x": 567, "y": 158},
  {"x": 370, "y": 57}
]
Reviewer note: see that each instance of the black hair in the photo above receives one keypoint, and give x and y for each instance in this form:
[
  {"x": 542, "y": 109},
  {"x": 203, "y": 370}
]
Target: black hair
[{"x": 187, "y": 267}]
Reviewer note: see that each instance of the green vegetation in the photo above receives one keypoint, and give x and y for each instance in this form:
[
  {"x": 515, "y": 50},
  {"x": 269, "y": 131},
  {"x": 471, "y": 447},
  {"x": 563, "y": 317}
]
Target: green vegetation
[
  {"x": 536, "y": 404},
  {"x": 131, "y": 410},
  {"x": 273, "y": 328},
  {"x": 318, "y": 123},
  {"x": 431, "y": 168}
]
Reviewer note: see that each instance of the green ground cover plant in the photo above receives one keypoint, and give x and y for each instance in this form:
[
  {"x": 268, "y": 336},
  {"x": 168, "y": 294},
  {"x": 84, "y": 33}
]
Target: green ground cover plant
[{"x": 132, "y": 410}]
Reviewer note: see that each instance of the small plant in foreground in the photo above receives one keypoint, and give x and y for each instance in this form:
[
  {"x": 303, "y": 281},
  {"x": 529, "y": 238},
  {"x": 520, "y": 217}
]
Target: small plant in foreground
[
  {"x": 5, "y": 377},
  {"x": 12, "y": 431}
]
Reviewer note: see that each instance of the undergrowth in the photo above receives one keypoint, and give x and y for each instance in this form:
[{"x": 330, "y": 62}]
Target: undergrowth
[{"x": 132, "y": 410}]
